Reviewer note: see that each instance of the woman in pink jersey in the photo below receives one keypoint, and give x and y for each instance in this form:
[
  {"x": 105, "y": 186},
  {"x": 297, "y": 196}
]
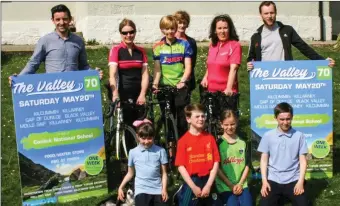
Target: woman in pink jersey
[{"x": 224, "y": 57}]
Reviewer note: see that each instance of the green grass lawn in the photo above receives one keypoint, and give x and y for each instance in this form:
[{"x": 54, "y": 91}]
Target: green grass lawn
[{"x": 320, "y": 192}]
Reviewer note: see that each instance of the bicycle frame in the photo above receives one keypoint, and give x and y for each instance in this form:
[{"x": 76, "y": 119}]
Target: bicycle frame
[
  {"x": 170, "y": 142},
  {"x": 167, "y": 110},
  {"x": 210, "y": 114},
  {"x": 211, "y": 119},
  {"x": 119, "y": 124}
]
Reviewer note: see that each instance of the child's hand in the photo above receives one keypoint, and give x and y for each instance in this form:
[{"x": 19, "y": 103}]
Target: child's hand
[
  {"x": 237, "y": 189},
  {"x": 265, "y": 187},
  {"x": 298, "y": 189},
  {"x": 165, "y": 196},
  {"x": 231, "y": 186},
  {"x": 205, "y": 191},
  {"x": 197, "y": 191},
  {"x": 121, "y": 195}
]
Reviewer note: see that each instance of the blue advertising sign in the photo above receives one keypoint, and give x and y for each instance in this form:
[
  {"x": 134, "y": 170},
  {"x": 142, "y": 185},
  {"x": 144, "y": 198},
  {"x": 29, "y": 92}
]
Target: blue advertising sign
[
  {"x": 307, "y": 87},
  {"x": 60, "y": 139}
]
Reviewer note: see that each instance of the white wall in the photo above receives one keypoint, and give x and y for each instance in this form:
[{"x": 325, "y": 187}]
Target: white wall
[{"x": 26, "y": 22}]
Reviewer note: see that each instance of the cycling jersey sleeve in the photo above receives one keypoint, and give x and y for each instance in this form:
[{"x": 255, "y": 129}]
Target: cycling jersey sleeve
[
  {"x": 113, "y": 56},
  {"x": 145, "y": 57},
  {"x": 156, "y": 52}
]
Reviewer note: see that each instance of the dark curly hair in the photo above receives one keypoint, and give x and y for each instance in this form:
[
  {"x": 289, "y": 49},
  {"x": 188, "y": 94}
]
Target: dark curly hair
[{"x": 232, "y": 30}]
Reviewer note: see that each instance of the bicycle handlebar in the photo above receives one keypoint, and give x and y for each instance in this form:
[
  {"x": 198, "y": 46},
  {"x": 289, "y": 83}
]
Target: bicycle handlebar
[
  {"x": 112, "y": 106},
  {"x": 166, "y": 89},
  {"x": 206, "y": 94},
  {"x": 119, "y": 103}
]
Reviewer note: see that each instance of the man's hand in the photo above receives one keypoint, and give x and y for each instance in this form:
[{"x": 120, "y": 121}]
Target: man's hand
[
  {"x": 265, "y": 189},
  {"x": 298, "y": 189},
  {"x": 204, "y": 82},
  {"x": 165, "y": 196},
  {"x": 121, "y": 195},
  {"x": 331, "y": 62},
  {"x": 101, "y": 74},
  {"x": 141, "y": 100},
  {"x": 237, "y": 189},
  {"x": 250, "y": 65},
  {"x": 205, "y": 191},
  {"x": 197, "y": 191},
  {"x": 10, "y": 79}
]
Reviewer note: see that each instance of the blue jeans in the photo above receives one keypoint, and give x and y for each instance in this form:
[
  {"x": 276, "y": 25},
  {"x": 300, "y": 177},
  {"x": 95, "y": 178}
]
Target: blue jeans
[
  {"x": 228, "y": 198},
  {"x": 187, "y": 198}
]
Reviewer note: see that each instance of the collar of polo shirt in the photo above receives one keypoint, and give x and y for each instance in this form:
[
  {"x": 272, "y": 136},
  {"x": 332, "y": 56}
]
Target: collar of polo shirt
[
  {"x": 142, "y": 149},
  {"x": 287, "y": 134}
]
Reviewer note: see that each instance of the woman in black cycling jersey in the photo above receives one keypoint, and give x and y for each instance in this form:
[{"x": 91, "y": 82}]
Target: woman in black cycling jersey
[{"x": 128, "y": 75}]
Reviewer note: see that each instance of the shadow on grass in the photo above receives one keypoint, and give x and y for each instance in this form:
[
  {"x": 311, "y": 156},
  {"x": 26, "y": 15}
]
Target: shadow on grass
[
  {"x": 313, "y": 187},
  {"x": 6, "y": 56}
]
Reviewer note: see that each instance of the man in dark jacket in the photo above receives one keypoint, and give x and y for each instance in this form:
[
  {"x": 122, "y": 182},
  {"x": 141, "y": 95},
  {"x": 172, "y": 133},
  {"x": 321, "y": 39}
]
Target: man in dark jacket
[{"x": 273, "y": 40}]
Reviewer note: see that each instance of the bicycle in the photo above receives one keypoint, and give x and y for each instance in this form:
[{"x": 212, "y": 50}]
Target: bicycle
[
  {"x": 169, "y": 123},
  {"x": 120, "y": 130},
  {"x": 215, "y": 103}
]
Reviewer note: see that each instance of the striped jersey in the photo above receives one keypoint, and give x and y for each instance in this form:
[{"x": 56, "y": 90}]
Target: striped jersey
[
  {"x": 129, "y": 65},
  {"x": 171, "y": 59}
]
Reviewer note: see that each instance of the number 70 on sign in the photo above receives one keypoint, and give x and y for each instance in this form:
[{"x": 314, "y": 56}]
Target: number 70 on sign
[
  {"x": 91, "y": 83},
  {"x": 324, "y": 73}
]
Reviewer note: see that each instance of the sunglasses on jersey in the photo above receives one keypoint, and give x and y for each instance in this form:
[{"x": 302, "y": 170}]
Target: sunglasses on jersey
[{"x": 128, "y": 32}]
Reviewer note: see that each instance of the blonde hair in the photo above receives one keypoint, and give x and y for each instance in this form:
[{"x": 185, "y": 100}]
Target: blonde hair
[
  {"x": 182, "y": 16},
  {"x": 168, "y": 21}
]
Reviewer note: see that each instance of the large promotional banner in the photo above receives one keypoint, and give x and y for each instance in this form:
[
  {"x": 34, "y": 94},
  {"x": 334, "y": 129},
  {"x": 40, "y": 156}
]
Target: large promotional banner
[
  {"x": 307, "y": 86},
  {"x": 59, "y": 133}
]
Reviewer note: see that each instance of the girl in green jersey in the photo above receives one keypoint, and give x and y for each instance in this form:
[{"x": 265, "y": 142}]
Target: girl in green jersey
[{"x": 231, "y": 182}]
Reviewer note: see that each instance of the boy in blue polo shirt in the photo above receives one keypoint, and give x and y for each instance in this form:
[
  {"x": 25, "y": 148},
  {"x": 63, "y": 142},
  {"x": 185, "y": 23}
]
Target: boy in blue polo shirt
[
  {"x": 286, "y": 150},
  {"x": 147, "y": 159}
]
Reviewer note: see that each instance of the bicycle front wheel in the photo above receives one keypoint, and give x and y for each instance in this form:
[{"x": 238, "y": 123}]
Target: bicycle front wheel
[{"x": 128, "y": 138}]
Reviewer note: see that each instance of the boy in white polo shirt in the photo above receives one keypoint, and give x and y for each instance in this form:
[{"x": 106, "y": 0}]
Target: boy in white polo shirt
[
  {"x": 286, "y": 149},
  {"x": 147, "y": 160}
]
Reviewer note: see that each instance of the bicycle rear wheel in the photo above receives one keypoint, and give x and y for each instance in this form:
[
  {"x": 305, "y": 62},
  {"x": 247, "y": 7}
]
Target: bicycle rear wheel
[
  {"x": 171, "y": 138},
  {"x": 173, "y": 127},
  {"x": 171, "y": 149}
]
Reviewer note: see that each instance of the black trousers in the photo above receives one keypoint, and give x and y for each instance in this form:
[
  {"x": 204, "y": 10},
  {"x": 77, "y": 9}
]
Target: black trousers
[
  {"x": 149, "y": 200},
  {"x": 283, "y": 190},
  {"x": 177, "y": 103}
]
